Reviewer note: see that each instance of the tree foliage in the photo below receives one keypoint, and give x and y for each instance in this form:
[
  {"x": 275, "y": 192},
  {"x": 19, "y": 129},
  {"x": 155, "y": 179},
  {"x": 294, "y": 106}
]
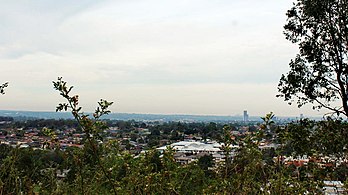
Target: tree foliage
[
  {"x": 2, "y": 88},
  {"x": 319, "y": 73},
  {"x": 92, "y": 127}
]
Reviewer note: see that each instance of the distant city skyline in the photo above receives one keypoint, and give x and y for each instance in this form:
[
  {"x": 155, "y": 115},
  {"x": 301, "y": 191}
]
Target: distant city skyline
[{"x": 167, "y": 57}]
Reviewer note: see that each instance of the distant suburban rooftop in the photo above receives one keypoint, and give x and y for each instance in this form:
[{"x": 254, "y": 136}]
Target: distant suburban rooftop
[{"x": 194, "y": 146}]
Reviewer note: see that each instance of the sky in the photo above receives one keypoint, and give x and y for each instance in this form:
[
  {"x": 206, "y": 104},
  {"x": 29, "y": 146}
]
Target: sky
[{"x": 207, "y": 57}]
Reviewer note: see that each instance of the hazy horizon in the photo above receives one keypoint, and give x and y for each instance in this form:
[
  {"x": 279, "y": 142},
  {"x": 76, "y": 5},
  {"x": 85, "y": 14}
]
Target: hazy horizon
[
  {"x": 138, "y": 113},
  {"x": 169, "y": 57}
]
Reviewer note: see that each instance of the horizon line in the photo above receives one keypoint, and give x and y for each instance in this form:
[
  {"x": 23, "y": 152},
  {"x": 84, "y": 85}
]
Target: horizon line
[{"x": 173, "y": 114}]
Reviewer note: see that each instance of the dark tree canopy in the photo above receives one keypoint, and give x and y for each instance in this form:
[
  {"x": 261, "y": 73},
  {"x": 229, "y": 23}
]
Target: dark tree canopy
[{"x": 319, "y": 73}]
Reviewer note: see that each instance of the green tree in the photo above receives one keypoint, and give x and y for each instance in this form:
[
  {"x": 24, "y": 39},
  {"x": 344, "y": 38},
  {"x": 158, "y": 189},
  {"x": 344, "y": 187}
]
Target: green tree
[
  {"x": 92, "y": 156},
  {"x": 319, "y": 73},
  {"x": 206, "y": 163}
]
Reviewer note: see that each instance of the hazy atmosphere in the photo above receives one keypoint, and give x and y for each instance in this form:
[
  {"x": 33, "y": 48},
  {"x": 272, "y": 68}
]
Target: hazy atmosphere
[{"x": 210, "y": 57}]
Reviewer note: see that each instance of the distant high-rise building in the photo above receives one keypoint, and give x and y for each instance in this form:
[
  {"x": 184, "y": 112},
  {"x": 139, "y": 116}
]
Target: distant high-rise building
[{"x": 245, "y": 116}]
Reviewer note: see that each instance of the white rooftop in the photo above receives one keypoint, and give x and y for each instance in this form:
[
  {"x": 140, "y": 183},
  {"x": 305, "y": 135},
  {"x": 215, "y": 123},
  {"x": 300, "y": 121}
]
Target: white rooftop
[{"x": 194, "y": 146}]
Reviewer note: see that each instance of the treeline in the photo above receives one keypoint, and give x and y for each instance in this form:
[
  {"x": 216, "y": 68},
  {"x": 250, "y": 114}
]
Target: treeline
[
  {"x": 5, "y": 118},
  {"x": 40, "y": 123}
]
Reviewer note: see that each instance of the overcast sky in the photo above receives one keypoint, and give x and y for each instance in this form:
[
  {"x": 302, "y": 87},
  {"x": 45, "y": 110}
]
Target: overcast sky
[{"x": 212, "y": 57}]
